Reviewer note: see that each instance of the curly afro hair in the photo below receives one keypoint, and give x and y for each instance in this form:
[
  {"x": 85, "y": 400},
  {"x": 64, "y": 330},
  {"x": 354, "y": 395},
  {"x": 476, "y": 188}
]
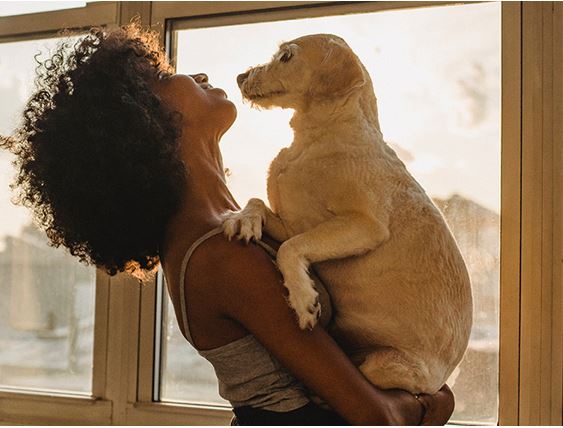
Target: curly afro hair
[{"x": 97, "y": 153}]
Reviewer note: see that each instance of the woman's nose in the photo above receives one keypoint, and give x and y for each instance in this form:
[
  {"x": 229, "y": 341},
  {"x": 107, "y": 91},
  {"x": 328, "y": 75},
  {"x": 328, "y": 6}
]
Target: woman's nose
[
  {"x": 242, "y": 77},
  {"x": 200, "y": 77}
]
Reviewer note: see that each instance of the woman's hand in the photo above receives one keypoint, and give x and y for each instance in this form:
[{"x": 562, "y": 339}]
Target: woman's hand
[{"x": 439, "y": 407}]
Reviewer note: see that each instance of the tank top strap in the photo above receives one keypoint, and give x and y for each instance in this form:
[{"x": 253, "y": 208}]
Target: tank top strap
[
  {"x": 273, "y": 253},
  {"x": 183, "y": 268}
]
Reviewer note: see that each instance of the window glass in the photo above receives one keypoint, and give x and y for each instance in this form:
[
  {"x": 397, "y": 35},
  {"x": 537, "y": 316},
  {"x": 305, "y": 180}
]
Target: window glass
[
  {"x": 186, "y": 375},
  {"x": 8, "y": 8},
  {"x": 47, "y": 305},
  {"x": 436, "y": 73}
]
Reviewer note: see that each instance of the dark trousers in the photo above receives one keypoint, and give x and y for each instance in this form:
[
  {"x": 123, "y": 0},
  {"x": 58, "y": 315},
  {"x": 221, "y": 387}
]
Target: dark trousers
[{"x": 310, "y": 414}]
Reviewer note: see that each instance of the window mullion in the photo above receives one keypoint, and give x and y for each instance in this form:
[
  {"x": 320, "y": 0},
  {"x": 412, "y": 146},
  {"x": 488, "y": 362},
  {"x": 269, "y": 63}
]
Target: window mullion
[
  {"x": 509, "y": 357},
  {"x": 147, "y": 341},
  {"x": 540, "y": 328},
  {"x": 101, "y": 323},
  {"x": 557, "y": 157},
  {"x": 122, "y": 343}
]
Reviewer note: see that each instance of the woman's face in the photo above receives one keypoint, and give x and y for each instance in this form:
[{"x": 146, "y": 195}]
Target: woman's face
[{"x": 206, "y": 110}]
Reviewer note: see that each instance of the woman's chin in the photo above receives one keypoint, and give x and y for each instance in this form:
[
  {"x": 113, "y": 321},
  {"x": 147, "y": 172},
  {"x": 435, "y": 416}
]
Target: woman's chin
[
  {"x": 231, "y": 115},
  {"x": 220, "y": 91}
]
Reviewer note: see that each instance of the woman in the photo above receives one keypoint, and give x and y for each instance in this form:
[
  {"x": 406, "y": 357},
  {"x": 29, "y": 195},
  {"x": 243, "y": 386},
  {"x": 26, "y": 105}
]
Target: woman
[{"x": 120, "y": 161}]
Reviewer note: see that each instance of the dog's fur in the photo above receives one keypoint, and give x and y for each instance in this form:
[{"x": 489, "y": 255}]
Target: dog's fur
[{"x": 341, "y": 198}]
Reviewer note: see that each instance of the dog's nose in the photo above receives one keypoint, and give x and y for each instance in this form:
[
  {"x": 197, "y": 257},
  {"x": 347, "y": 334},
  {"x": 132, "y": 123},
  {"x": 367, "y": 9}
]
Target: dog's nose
[{"x": 241, "y": 78}]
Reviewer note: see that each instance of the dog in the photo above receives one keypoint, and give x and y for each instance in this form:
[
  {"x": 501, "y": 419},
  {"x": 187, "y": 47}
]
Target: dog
[{"x": 341, "y": 199}]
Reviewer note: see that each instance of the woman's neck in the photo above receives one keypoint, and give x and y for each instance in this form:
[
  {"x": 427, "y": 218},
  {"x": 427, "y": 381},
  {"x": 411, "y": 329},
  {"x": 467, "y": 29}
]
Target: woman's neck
[{"x": 206, "y": 195}]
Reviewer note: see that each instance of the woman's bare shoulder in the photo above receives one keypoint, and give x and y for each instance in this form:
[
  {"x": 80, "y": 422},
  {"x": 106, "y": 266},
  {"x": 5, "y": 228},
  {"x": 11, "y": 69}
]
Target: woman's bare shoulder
[{"x": 235, "y": 263}]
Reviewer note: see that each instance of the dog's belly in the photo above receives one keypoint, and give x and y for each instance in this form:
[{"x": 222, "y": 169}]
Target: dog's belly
[
  {"x": 380, "y": 300},
  {"x": 368, "y": 309}
]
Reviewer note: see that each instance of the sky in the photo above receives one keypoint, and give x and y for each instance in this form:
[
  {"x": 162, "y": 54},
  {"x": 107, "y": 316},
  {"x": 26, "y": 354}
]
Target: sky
[{"x": 436, "y": 73}]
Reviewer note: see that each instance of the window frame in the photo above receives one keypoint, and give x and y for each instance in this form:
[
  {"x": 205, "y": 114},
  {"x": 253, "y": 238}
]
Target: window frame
[
  {"x": 531, "y": 281},
  {"x": 540, "y": 351},
  {"x": 25, "y": 406},
  {"x": 38, "y": 25}
]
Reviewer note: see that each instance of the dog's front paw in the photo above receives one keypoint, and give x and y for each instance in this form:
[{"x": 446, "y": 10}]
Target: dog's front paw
[
  {"x": 305, "y": 302},
  {"x": 244, "y": 224},
  {"x": 303, "y": 296}
]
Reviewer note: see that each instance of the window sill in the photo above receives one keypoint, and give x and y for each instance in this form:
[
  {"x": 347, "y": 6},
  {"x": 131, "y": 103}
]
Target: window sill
[{"x": 40, "y": 408}]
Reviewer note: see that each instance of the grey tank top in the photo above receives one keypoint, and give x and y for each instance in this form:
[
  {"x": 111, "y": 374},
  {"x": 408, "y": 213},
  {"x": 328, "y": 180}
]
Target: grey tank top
[{"x": 247, "y": 374}]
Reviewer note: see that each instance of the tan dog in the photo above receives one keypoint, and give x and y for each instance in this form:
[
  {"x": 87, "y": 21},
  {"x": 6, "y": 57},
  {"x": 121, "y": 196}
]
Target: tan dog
[{"x": 341, "y": 198}]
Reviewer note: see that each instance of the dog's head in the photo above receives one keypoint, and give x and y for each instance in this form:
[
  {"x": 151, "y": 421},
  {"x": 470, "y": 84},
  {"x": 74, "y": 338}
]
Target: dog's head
[{"x": 306, "y": 70}]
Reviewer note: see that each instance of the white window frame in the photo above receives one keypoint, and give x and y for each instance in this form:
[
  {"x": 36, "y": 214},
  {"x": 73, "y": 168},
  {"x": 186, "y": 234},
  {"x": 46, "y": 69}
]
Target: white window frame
[{"x": 531, "y": 281}]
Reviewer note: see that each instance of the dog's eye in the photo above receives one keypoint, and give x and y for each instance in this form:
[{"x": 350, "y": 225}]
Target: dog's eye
[{"x": 286, "y": 56}]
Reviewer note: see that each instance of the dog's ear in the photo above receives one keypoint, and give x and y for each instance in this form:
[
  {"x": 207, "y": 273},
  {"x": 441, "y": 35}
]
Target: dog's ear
[{"x": 341, "y": 72}]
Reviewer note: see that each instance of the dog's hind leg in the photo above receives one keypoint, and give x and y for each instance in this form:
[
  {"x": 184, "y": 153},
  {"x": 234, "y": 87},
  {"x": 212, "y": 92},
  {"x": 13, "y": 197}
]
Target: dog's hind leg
[{"x": 388, "y": 368}]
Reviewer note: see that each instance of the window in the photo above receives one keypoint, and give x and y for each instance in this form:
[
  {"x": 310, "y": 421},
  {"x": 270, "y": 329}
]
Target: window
[
  {"x": 186, "y": 376},
  {"x": 52, "y": 340},
  {"x": 47, "y": 313},
  {"x": 439, "y": 109},
  {"x": 451, "y": 105}
]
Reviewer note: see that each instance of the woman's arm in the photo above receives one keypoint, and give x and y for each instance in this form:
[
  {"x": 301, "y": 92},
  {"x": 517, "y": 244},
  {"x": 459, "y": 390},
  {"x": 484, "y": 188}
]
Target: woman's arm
[{"x": 253, "y": 294}]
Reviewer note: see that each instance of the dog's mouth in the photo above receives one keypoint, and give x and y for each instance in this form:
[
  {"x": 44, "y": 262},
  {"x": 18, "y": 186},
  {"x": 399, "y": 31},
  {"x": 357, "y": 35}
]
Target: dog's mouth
[{"x": 260, "y": 96}]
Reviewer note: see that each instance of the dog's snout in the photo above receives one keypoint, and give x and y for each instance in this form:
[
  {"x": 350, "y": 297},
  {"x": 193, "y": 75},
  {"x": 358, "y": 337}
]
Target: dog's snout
[{"x": 242, "y": 77}]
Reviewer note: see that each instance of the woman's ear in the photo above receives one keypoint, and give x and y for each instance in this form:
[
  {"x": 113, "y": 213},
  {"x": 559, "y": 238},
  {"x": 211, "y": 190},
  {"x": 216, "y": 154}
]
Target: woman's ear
[{"x": 340, "y": 72}]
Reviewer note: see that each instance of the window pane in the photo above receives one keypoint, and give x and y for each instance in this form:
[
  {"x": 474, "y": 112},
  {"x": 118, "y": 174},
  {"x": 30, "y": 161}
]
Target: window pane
[
  {"x": 186, "y": 376},
  {"x": 47, "y": 305},
  {"x": 436, "y": 73},
  {"x": 8, "y": 8}
]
